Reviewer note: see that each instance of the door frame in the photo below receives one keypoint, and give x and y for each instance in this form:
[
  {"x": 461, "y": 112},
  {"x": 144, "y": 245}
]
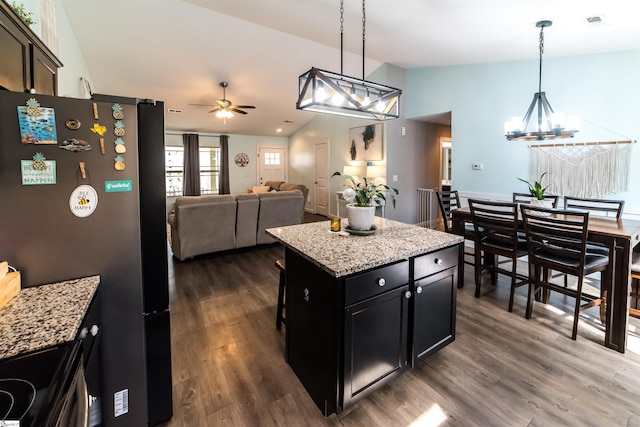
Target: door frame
[{"x": 315, "y": 193}]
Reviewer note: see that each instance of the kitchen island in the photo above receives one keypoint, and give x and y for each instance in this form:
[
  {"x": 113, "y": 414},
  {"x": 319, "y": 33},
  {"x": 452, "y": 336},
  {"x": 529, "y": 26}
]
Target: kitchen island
[{"x": 363, "y": 309}]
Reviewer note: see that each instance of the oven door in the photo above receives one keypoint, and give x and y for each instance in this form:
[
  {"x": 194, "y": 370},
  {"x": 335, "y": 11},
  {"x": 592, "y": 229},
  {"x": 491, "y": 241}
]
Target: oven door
[{"x": 44, "y": 388}]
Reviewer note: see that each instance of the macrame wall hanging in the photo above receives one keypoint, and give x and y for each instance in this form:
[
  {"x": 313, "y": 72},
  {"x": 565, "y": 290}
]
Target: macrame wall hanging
[{"x": 589, "y": 170}]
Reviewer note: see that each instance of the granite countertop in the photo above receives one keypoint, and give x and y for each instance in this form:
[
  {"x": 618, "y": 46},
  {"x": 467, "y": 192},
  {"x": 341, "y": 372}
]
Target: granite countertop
[
  {"x": 45, "y": 315},
  {"x": 341, "y": 256}
]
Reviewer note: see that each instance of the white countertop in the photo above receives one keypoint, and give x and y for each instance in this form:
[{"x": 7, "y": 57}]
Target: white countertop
[{"x": 341, "y": 256}]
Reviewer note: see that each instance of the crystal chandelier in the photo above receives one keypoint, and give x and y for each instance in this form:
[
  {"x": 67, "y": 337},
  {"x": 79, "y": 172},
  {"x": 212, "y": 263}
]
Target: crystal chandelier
[
  {"x": 323, "y": 91},
  {"x": 550, "y": 125}
]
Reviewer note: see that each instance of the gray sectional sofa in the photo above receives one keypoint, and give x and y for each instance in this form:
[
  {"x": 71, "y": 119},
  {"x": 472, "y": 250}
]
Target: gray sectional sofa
[{"x": 212, "y": 223}]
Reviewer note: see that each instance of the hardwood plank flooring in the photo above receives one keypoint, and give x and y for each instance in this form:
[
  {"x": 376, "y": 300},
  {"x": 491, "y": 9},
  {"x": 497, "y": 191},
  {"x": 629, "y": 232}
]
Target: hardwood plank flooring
[{"x": 502, "y": 370}]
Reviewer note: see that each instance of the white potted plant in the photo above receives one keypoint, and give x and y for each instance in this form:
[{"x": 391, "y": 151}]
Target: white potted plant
[
  {"x": 538, "y": 192},
  {"x": 362, "y": 197}
]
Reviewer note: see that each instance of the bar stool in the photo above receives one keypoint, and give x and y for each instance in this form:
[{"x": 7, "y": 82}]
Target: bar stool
[
  {"x": 280, "y": 319},
  {"x": 635, "y": 284}
]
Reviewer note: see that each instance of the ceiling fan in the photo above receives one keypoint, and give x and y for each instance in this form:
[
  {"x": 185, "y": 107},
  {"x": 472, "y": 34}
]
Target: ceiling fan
[{"x": 224, "y": 108}]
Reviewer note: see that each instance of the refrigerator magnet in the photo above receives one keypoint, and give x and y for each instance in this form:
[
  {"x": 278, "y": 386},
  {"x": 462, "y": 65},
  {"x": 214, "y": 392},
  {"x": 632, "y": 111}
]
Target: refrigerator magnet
[
  {"x": 119, "y": 163},
  {"x": 76, "y": 145},
  {"x": 83, "y": 201},
  {"x": 99, "y": 129},
  {"x": 37, "y": 124},
  {"x": 73, "y": 124},
  {"x": 118, "y": 129},
  {"x": 117, "y": 111},
  {"x": 38, "y": 170},
  {"x": 119, "y": 146}
]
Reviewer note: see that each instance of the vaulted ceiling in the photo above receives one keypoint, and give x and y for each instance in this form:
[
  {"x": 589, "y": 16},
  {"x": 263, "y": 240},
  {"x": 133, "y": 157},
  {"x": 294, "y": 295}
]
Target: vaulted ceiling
[{"x": 178, "y": 51}]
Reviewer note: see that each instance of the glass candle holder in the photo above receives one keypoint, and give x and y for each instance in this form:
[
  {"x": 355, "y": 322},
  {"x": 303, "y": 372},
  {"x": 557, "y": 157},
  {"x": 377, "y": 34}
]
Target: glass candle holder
[{"x": 335, "y": 223}]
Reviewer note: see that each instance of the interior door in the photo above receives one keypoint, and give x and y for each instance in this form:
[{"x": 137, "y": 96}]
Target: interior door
[
  {"x": 321, "y": 181},
  {"x": 272, "y": 164}
]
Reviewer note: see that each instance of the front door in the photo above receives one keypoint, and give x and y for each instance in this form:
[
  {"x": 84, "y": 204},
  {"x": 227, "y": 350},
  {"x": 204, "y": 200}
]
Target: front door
[{"x": 272, "y": 164}]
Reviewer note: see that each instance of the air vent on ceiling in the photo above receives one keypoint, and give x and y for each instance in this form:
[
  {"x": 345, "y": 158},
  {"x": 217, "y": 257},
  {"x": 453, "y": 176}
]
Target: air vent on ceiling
[{"x": 174, "y": 110}]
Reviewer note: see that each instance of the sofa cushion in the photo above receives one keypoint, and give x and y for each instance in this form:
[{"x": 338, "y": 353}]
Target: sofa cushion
[
  {"x": 246, "y": 219},
  {"x": 278, "y": 209},
  {"x": 203, "y": 224}
]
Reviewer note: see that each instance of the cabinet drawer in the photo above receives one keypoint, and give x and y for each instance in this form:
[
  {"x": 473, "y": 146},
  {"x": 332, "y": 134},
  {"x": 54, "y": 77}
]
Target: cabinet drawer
[
  {"x": 374, "y": 282},
  {"x": 433, "y": 262}
]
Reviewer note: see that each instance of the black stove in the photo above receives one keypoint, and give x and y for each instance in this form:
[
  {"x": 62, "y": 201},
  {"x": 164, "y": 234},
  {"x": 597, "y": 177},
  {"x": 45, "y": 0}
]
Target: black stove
[{"x": 34, "y": 386}]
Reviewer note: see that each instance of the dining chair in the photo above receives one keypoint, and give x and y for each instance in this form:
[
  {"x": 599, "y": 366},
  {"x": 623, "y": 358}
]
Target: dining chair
[
  {"x": 595, "y": 207},
  {"x": 526, "y": 198},
  {"x": 449, "y": 200},
  {"x": 557, "y": 240},
  {"x": 635, "y": 285},
  {"x": 496, "y": 235},
  {"x": 600, "y": 207}
]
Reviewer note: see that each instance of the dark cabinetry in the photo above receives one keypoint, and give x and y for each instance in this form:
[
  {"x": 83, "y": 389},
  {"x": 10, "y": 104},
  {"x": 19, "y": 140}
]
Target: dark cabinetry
[
  {"x": 375, "y": 328},
  {"x": 348, "y": 335},
  {"x": 434, "y": 302},
  {"x": 89, "y": 334},
  {"x": 25, "y": 61}
]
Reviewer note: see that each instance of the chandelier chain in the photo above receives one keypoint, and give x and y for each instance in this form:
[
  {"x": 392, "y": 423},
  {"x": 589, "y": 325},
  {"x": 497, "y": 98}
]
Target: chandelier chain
[{"x": 364, "y": 20}]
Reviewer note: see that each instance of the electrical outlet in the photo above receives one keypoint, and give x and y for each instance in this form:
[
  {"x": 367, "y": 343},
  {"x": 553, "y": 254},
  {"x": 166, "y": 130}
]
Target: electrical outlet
[
  {"x": 477, "y": 166},
  {"x": 121, "y": 402},
  {"x": 395, "y": 178}
]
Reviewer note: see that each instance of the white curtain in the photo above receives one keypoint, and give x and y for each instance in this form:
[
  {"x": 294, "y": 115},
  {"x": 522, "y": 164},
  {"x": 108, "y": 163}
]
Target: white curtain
[{"x": 589, "y": 171}]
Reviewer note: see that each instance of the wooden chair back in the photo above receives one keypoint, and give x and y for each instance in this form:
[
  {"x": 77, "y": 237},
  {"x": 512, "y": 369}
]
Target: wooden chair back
[
  {"x": 601, "y": 207},
  {"x": 447, "y": 201}
]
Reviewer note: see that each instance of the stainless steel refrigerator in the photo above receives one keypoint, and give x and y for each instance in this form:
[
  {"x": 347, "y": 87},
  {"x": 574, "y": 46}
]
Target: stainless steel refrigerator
[{"x": 82, "y": 192}]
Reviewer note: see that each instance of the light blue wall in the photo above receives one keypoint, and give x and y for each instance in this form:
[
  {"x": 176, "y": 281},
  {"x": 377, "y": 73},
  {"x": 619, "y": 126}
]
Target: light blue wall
[
  {"x": 240, "y": 178},
  {"x": 603, "y": 89}
]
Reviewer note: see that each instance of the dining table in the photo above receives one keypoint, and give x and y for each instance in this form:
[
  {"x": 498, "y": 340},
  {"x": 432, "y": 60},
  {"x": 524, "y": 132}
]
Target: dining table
[{"x": 620, "y": 236}]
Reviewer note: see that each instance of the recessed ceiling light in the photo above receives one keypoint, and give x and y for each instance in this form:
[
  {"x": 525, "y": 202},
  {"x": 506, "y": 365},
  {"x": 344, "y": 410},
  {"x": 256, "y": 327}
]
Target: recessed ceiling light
[
  {"x": 279, "y": 130},
  {"x": 594, "y": 19}
]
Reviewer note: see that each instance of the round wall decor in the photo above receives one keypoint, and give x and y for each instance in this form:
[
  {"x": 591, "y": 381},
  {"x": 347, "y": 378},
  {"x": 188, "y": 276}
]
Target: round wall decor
[{"x": 242, "y": 159}]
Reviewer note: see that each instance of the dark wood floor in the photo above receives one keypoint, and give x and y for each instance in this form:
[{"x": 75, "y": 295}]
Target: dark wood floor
[{"x": 502, "y": 370}]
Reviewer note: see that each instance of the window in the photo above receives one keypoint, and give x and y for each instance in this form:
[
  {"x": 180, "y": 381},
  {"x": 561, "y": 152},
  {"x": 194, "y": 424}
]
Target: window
[
  {"x": 271, "y": 158},
  {"x": 209, "y": 170}
]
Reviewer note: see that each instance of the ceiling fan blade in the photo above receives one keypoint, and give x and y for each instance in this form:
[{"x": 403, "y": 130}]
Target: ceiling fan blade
[
  {"x": 216, "y": 109},
  {"x": 235, "y": 110},
  {"x": 244, "y": 106},
  {"x": 203, "y": 105}
]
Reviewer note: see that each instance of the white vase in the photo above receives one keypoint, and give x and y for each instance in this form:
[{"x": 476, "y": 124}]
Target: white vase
[
  {"x": 544, "y": 203},
  {"x": 360, "y": 218}
]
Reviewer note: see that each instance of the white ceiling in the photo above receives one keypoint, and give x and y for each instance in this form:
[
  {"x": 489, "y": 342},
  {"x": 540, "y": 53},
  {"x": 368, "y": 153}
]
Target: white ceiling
[{"x": 178, "y": 51}]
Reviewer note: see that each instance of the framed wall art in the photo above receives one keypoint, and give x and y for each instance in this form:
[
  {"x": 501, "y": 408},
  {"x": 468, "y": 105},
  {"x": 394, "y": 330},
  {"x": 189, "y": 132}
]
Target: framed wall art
[{"x": 365, "y": 142}]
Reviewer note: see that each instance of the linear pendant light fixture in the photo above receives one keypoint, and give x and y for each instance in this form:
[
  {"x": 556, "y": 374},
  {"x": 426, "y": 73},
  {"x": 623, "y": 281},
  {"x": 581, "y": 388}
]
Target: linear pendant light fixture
[
  {"x": 549, "y": 125},
  {"x": 323, "y": 91}
]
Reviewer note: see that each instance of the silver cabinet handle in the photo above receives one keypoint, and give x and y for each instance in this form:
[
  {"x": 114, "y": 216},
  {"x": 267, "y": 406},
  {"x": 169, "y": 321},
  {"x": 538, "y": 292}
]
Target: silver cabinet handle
[
  {"x": 407, "y": 294},
  {"x": 306, "y": 294},
  {"x": 419, "y": 290},
  {"x": 94, "y": 330},
  {"x": 381, "y": 281},
  {"x": 438, "y": 261}
]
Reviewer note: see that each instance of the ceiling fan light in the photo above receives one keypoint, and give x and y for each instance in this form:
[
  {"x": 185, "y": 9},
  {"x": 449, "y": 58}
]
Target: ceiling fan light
[{"x": 573, "y": 122}]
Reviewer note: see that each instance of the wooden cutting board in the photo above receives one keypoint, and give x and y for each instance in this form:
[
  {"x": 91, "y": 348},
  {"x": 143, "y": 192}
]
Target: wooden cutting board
[{"x": 9, "y": 287}]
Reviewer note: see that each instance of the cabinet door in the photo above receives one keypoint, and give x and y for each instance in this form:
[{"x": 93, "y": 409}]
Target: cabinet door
[
  {"x": 14, "y": 56},
  {"x": 375, "y": 342},
  {"x": 44, "y": 73},
  {"x": 434, "y": 313}
]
